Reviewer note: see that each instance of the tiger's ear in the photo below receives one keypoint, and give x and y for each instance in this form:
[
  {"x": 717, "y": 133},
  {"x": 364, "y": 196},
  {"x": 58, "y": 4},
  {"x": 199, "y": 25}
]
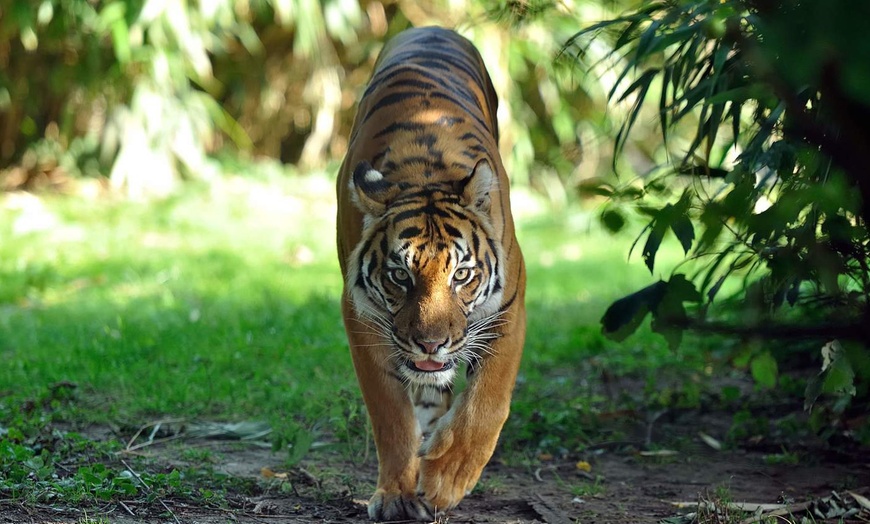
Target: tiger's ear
[
  {"x": 477, "y": 189},
  {"x": 370, "y": 191}
]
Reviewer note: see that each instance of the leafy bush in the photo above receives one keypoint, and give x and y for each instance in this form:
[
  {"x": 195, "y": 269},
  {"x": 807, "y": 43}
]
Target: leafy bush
[
  {"x": 768, "y": 196},
  {"x": 132, "y": 85},
  {"x": 107, "y": 88}
]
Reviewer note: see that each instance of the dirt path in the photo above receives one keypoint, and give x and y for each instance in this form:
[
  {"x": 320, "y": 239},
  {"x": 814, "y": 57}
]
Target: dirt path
[
  {"x": 621, "y": 487},
  {"x": 611, "y": 484}
]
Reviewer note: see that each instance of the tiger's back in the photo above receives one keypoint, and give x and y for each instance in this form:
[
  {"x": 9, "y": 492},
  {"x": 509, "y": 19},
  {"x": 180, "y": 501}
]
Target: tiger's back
[
  {"x": 434, "y": 277},
  {"x": 430, "y": 104}
]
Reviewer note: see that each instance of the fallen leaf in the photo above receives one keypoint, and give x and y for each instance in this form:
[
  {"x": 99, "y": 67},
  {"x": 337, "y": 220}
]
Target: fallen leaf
[
  {"x": 862, "y": 501},
  {"x": 659, "y": 453},
  {"x": 710, "y": 441},
  {"x": 752, "y": 507},
  {"x": 245, "y": 430},
  {"x": 266, "y": 472},
  {"x": 265, "y": 507},
  {"x": 584, "y": 466}
]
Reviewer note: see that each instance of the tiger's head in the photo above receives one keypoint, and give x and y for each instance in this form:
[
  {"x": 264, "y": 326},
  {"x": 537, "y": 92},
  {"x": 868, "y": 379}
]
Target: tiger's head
[{"x": 428, "y": 270}]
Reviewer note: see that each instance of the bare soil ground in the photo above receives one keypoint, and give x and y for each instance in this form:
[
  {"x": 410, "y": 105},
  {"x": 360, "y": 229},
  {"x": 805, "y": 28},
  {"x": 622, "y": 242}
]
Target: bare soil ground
[{"x": 623, "y": 486}]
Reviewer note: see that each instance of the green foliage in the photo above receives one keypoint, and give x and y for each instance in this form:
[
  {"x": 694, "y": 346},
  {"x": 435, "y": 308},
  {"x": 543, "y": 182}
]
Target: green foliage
[
  {"x": 745, "y": 425},
  {"x": 99, "y": 88},
  {"x": 297, "y": 441},
  {"x": 663, "y": 299},
  {"x": 785, "y": 458},
  {"x": 40, "y": 464},
  {"x": 102, "y": 89},
  {"x": 758, "y": 106},
  {"x": 34, "y": 468},
  {"x": 764, "y": 369}
]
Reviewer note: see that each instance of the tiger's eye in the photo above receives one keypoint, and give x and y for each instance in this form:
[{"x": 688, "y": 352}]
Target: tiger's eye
[
  {"x": 462, "y": 275},
  {"x": 399, "y": 276}
]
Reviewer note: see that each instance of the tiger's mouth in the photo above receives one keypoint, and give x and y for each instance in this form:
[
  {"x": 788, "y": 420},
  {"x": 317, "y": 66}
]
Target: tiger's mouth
[{"x": 430, "y": 366}]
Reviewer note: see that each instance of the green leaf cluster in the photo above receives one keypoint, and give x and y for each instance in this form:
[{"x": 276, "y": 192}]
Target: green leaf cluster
[
  {"x": 106, "y": 88},
  {"x": 46, "y": 467},
  {"x": 760, "y": 108}
]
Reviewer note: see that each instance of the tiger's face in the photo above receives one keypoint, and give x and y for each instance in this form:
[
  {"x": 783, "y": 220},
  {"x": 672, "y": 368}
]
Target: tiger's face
[{"x": 426, "y": 272}]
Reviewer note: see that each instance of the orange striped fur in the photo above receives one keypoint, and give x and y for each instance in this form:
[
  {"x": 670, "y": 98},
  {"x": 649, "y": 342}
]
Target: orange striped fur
[{"x": 434, "y": 277}]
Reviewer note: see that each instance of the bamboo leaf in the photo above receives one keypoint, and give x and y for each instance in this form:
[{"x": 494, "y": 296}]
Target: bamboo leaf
[
  {"x": 684, "y": 231},
  {"x": 647, "y": 39},
  {"x": 658, "y": 227},
  {"x": 663, "y": 103},
  {"x": 738, "y": 94},
  {"x": 641, "y": 85},
  {"x": 628, "y": 33},
  {"x": 713, "y": 124},
  {"x": 691, "y": 98},
  {"x": 700, "y": 134},
  {"x": 714, "y": 289},
  {"x": 712, "y": 269},
  {"x": 680, "y": 35},
  {"x": 624, "y": 316}
]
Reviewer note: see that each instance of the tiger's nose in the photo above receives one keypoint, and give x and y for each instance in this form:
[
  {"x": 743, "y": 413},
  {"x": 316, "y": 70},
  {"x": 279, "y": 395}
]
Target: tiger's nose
[{"x": 431, "y": 346}]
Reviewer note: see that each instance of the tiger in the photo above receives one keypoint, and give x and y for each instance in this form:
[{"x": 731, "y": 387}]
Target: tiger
[{"x": 434, "y": 279}]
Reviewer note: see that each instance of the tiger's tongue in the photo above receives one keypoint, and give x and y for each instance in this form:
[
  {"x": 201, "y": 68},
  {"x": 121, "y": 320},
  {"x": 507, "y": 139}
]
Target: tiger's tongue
[{"x": 428, "y": 365}]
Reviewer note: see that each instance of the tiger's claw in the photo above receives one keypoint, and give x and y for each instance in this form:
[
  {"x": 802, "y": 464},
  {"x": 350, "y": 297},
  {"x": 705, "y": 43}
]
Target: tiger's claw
[{"x": 387, "y": 506}]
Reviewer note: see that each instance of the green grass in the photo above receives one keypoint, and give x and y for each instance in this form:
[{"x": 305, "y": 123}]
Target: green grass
[
  {"x": 81, "y": 472},
  {"x": 188, "y": 308},
  {"x": 222, "y": 304}
]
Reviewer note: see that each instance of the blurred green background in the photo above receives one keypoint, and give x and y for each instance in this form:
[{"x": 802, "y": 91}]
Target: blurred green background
[{"x": 150, "y": 93}]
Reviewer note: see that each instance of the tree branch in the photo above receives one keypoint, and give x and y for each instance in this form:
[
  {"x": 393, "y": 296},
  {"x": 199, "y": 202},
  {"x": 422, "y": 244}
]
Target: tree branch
[{"x": 854, "y": 331}]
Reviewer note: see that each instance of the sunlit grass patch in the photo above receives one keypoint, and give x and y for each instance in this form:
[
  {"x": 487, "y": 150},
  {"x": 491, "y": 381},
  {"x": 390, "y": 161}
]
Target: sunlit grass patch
[
  {"x": 223, "y": 303},
  {"x": 199, "y": 305}
]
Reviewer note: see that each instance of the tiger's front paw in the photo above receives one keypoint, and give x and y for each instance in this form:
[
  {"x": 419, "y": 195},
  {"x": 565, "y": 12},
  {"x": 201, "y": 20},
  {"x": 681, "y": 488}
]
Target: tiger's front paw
[
  {"x": 394, "y": 505},
  {"x": 449, "y": 469}
]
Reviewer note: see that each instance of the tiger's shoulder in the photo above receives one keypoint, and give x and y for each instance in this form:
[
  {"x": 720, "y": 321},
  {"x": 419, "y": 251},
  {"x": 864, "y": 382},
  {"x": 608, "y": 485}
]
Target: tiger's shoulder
[{"x": 430, "y": 103}]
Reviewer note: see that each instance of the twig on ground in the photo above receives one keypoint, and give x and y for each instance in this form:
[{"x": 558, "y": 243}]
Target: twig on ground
[
  {"x": 147, "y": 443},
  {"x": 155, "y": 428},
  {"x": 126, "y": 508},
  {"x": 149, "y": 490}
]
